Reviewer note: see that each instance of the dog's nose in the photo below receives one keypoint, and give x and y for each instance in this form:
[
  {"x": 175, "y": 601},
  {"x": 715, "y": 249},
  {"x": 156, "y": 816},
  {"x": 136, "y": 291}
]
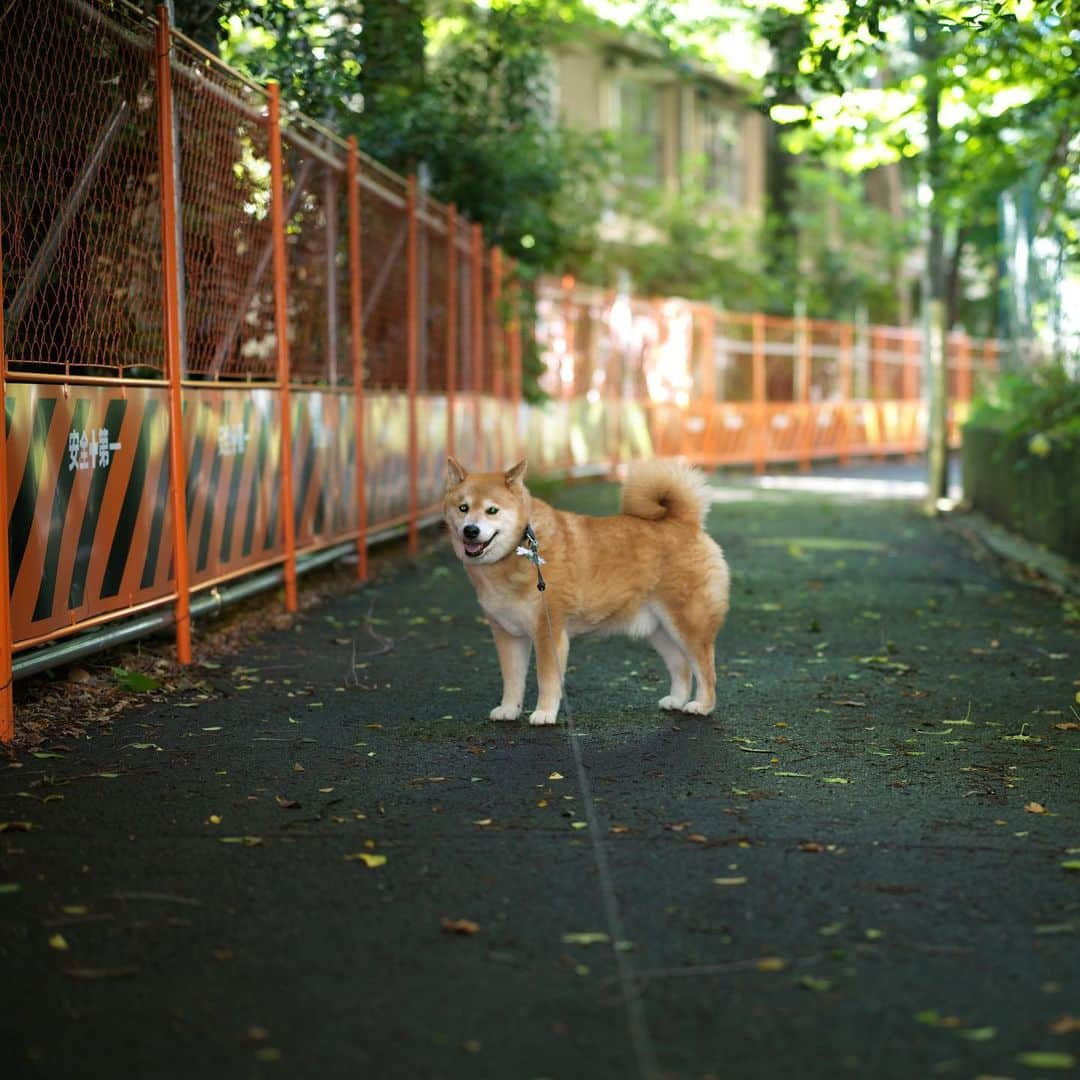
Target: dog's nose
[{"x": 471, "y": 532}]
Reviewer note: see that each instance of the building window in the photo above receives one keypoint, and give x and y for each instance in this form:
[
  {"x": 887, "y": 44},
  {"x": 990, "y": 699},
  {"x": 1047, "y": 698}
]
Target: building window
[
  {"x": 642, "y": 131},
  {"x": 721, "y": 146}
]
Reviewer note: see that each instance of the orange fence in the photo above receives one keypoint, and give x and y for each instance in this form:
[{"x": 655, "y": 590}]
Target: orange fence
[
  {"x": 684, "y": 379},
  {"x": 229, "y": 340}
]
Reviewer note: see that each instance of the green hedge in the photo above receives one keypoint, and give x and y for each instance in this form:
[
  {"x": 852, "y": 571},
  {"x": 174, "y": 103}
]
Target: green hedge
[{"x": 1033, "y": 490}]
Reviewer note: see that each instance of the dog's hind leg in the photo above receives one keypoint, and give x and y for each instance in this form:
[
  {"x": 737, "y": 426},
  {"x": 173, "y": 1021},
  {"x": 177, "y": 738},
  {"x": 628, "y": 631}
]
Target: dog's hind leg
[
  {"x": 552, "y": 646},
  {"x": 678, "y": 666},
  {"x": 699, "y": 645},
  {"x": 514, "y": 664}
]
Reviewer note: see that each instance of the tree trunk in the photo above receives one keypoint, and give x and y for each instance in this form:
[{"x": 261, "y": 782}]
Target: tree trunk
[{"x": 934, "y": 327}]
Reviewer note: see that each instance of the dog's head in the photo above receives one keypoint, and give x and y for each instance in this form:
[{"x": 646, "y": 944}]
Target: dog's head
[{"x": 485, "y": 512}]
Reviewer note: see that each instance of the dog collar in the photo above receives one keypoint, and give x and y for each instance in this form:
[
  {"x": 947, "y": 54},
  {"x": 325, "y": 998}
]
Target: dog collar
[{"x": 529, "y": 548}]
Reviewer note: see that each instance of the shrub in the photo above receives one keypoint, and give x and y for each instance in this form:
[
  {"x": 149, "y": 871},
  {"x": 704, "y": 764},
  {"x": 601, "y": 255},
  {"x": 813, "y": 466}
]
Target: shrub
[{"x": 1039, "y": 407}]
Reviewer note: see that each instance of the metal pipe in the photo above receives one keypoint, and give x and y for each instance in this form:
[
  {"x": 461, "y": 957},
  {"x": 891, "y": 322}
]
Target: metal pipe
[{"x": 75, "y": 648}]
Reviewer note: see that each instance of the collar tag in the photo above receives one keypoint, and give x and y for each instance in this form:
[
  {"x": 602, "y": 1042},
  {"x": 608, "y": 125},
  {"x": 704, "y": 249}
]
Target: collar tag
[{"x": 531, "y": 551}]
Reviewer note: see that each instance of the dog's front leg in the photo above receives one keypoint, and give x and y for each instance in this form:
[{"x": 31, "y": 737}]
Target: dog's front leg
[
  {"x": 552, "y": 645},
  {"x": 514, "y": 663}
]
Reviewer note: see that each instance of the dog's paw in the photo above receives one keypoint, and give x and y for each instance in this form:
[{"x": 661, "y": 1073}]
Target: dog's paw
[
  {"x": 697, "y": 708},
  {"x": 671, "y": 702},
  {"x": 505, "y": 712},
  {"x": 541, "y": 718}
]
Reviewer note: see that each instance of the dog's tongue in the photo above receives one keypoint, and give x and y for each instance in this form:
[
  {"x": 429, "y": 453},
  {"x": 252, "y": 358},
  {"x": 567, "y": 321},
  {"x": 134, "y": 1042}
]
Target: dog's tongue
[{"x": 473, "y": 549}]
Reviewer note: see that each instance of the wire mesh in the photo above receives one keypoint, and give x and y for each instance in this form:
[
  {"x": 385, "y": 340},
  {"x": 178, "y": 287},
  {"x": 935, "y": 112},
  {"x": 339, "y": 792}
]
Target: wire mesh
[
  {"x": 79, "y": 190},
  {"x": 227, "y": 244},
  {"x": 317, "y": 250},
  {"x": 385, "y": 273},
  {"x": 434, "y": 300}
]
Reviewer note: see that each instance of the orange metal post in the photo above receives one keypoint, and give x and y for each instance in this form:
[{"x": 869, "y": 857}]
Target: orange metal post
[
  {"x": 963, "y": 368},
  {"x": 802, "y": 328},
  {"x": 513, "y": 332},
  {"x": 757, "y": 360},
  {"x": 911, "y": 390},
  {"x": 281, "y": 327},
  {"x": 497, "y": 356},
  {"x": 847, "y": 334},
  {"x": 356, "y": 323},
  {"x": 412, "y": 344},
  {"x": 173, "y": 345},
  {"x": 877, "y": 377},
  {"x": 7, "y": 693},
  {"x": 476, "y": 282},
  {"x": 451, "y": 323}
]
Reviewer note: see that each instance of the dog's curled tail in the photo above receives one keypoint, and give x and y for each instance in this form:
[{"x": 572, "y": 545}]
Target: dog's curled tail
[{"x": 667, "y": 490}]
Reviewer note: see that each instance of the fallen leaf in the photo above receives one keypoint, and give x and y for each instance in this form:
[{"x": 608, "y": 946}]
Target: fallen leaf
[
  {"x": 1035, "y": 808},
  {"x": 74, "y": 909},
  {"x": 620, "y": 828},
  {"x": 979, "y": 1034},
  {"x": 459, "y": 926},
  {"x": 835, "y": 780},
  {"x": 586, "y": 937},
  {"x": 134, "y": 680},
  {"x": 245, "y": 841},
  {"x": 16, "y": 826},
  {"x": 297, "y": 767},
  {"x": 369, "y": 860},
  {"x": 729, "y": 880},
  {"x": 812, "y": 845},
  {"x": 1071, "y": 864},
  {"x": 214, "y": 819},
  {"x": 1046, "y": 1059},
  {"x": 9, "y": 888},
  {"x": 819, "y": 986},
  {"x": 58, "y": 942},
  {"x": 268, "y": 1054},
  {"x": 1068, "y": 725},
  {"x": 286, "y": 804},
  {"x": 482, "y": 822},
  {"x": 771, "y": 964},
  {"x": 579, "y": 825},
  {"x": 1065, "y": 1025},
  {"x": 697, "y": 838},
  {"x": 556, "y": 776}
]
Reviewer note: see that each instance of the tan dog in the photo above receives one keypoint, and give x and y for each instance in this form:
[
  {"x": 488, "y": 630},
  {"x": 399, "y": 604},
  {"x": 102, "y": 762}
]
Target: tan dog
[{"x": 650, "y": 571}]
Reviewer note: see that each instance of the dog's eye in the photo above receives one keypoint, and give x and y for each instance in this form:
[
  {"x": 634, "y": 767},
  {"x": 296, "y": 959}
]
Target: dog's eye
[
  {"x": 464, "y": 508},
  {"x": 492, "y": 510}
]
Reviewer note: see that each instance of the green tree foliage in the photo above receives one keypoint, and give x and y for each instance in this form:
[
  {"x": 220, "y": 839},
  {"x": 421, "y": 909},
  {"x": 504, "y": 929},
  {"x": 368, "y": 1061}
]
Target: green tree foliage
[
  {"x": 454, "y": 90},
  {"x": 858, "y": 82}
]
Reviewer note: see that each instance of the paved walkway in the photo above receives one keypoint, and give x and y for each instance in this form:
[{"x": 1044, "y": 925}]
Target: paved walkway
[{"x": 321, "y": 860}]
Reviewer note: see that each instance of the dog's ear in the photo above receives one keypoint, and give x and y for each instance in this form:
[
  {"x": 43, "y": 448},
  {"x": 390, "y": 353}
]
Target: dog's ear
[
  {"x": 455, "y": 472},
  {"x": 515, "y": 475}
]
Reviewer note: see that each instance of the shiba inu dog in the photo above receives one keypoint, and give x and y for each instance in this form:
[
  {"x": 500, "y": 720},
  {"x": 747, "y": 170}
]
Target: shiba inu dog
[{"x": 543, "y": 576}]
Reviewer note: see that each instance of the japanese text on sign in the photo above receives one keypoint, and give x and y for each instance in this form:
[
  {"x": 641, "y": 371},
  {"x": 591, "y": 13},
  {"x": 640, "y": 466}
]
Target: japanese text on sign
[
  {"x": 231, "y": 440},
  {"x": 90, "y": 450}
]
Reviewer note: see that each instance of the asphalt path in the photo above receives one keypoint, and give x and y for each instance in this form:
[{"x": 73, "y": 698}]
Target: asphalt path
[{"x": 321, "y": 859}]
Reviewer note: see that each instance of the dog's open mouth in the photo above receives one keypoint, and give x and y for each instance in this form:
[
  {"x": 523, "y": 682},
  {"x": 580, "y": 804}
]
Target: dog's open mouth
[{"x": 474, "y": 549}]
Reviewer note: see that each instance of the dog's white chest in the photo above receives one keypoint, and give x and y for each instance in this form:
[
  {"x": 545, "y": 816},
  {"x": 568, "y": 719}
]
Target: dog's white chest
[{"x": 506, "y": 611}]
